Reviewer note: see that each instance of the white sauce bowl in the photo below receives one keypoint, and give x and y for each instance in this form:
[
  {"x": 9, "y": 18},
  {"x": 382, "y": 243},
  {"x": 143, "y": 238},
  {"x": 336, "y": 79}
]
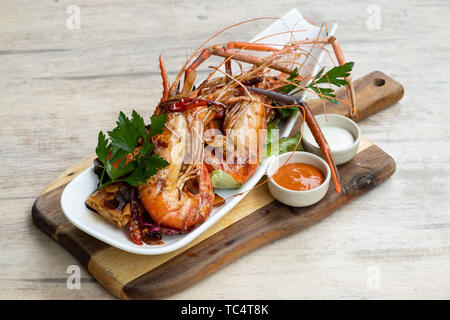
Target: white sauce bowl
[
  {"x": 298, "y": 198},
  {"x": 340, "y": 156}
]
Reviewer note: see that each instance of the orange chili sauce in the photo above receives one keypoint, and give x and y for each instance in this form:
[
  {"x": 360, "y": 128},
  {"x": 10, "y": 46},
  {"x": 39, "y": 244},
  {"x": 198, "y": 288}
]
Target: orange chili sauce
[{"x": 299, "y": 176}]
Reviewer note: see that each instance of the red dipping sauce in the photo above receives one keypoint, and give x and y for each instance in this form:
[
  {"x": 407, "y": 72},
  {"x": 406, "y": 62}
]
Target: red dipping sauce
[{"x": 299, "y": 176}]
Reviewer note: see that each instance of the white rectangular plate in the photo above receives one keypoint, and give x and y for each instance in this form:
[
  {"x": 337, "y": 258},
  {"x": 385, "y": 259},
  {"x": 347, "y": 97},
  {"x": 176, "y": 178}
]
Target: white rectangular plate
[{"x": 78, "y": 190}]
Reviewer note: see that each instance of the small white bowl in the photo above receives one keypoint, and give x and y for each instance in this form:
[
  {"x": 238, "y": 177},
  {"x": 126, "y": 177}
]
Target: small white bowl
[
  {"x": 340, "y": 156},
  {"x": 298, "y": 198}
]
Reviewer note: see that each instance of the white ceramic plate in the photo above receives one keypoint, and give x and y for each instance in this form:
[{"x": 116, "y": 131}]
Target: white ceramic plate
[{"x": 78, "y": 190}]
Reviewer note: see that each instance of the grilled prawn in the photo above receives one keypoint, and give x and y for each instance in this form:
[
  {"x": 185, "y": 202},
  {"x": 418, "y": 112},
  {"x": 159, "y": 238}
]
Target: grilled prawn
[{"x": 181, "y": 195}]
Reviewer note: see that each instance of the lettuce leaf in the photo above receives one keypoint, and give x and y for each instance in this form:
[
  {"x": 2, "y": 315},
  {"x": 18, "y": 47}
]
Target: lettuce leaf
[{"x": 287, "y": 144}]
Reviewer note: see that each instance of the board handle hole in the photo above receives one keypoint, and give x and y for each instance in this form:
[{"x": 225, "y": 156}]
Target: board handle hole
[{"x": 378, "y": 82}]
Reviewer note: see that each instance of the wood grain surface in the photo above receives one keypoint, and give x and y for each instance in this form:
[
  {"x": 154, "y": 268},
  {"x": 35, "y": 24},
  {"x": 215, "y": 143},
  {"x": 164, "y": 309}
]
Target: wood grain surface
[
  {"x": 60, "y": 86},
  {"x": 254, "y": 222}
]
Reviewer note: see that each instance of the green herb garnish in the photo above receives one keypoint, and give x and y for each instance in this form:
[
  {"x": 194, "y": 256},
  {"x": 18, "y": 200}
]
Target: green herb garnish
[
  {"x": 289, "y": 87},
  {"x": 286, "y": 111},
  {"x": 335, "y": 76},
  {"x": 119, "y": 150}
]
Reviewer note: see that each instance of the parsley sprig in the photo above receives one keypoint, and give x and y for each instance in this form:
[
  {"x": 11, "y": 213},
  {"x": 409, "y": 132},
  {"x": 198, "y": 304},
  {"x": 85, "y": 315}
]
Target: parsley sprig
[
  {"x": 335, "y": 76},
  {"x": 117, "y": 154}
]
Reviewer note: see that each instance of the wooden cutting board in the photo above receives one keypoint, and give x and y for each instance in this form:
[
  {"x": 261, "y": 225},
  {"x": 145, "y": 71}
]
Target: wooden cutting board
[{"x": 257, "y": 220}]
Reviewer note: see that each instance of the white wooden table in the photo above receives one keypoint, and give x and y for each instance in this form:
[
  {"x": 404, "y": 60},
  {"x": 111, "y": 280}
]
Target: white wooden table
[{"x": 59, "y": 86}]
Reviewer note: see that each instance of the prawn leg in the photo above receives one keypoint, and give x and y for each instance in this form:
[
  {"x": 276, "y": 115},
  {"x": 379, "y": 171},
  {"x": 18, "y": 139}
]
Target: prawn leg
[
  {"x": 228, "y": 52},
  {"x": 341, "y": 60}
]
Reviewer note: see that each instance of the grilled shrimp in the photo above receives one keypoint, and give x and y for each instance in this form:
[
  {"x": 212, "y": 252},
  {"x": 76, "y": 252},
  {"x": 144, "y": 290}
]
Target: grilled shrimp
[
  {"x": 242, "y": 125},
  {"x": 181, "y": 195}
]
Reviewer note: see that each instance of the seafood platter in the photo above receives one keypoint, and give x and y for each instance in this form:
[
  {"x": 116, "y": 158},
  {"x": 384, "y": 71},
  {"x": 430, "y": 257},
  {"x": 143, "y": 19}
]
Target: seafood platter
[{"x": 264, "y": 146}]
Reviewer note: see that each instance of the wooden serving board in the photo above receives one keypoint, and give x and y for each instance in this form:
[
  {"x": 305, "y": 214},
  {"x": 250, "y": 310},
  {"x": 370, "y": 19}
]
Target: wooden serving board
[{"x": 257, "y": 220}]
